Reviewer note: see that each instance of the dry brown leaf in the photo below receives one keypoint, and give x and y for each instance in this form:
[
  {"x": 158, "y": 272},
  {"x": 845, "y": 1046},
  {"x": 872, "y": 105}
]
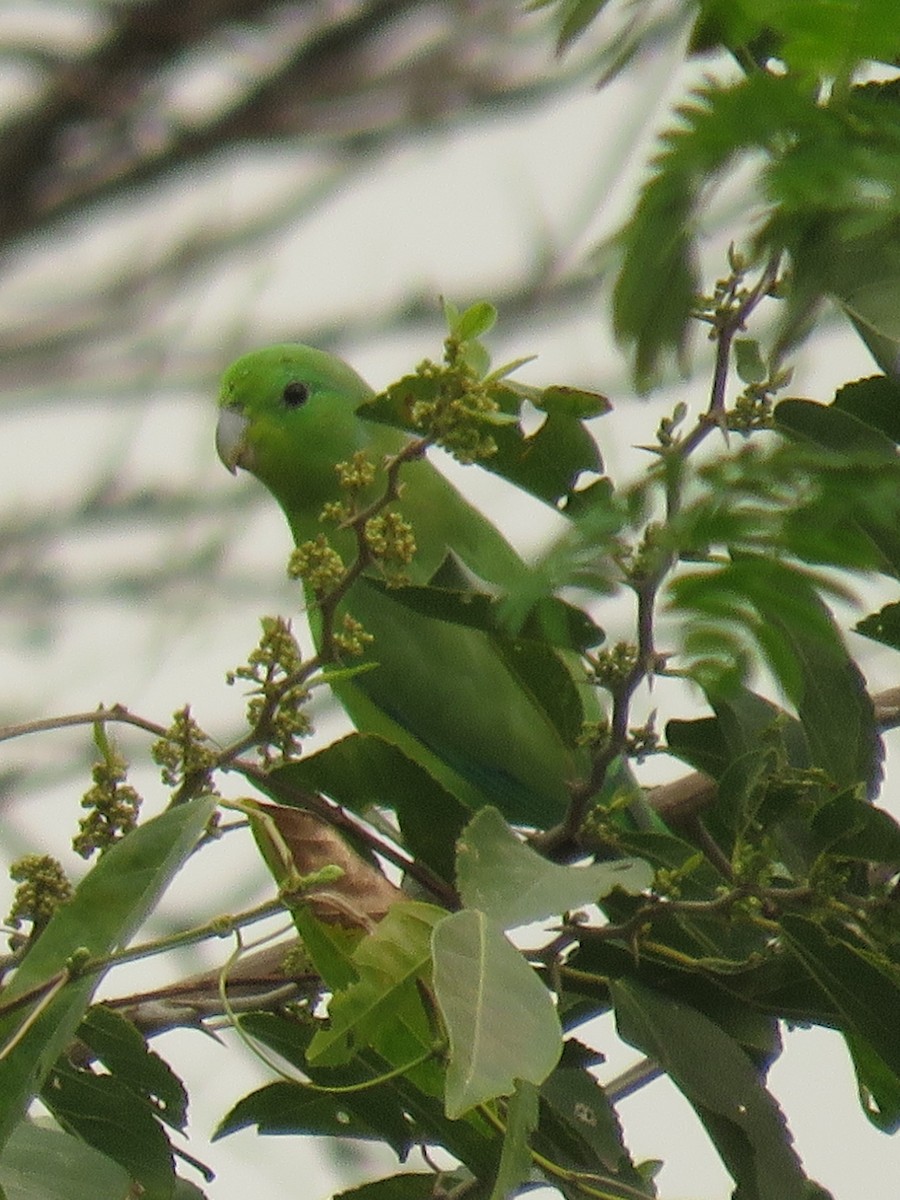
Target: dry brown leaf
[{"x": 360, "y": 897}]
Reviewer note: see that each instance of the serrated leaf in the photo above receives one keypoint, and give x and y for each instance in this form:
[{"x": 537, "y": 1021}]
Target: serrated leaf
[
  {"x": 109, "y": 904},
  {"x": 863, "y": 989},
  {"x": 833, "y": 427},
  {"x": 659, "y": 280},
  {"x": 499, "y": 1017},
  {"x": 800, "y": 640},
  {"x": 294, "y": 1108},
  {"x": 879, "y": 1086},
  {"x": 514, "y": 885},
  {"x": 409, "y": 1186},
  {"x": 721, "y": 1084},
  {"x": 883, "y": 626},
  {"x": 819, "y": 37},
  {"x": 577, "y": 1100},
  {"x": 124, "y": 1052},
  {"x": 388, "y": 962},
  {"x": 849, "y": 827},
  {"x": 398, "y": 1111},
  {"x": 874, "y": 401},
  {"x": 112, "y": 1119}
]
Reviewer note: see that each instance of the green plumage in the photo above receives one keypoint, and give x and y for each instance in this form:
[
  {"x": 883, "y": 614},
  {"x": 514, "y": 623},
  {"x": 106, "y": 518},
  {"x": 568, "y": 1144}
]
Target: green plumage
[{"x": 443, "y": 692}]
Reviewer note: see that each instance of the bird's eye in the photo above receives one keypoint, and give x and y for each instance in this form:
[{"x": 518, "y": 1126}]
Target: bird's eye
[{"x": 295, "y": 394}]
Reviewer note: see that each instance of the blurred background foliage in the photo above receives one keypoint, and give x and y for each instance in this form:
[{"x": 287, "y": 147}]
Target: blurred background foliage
[
  {"x": 179, "y": 183},
  {"x": 157, "y": 163}
]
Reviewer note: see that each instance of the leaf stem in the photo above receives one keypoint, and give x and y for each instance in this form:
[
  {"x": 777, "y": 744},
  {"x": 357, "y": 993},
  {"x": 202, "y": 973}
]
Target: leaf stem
[{"x": 221, "y": 926}]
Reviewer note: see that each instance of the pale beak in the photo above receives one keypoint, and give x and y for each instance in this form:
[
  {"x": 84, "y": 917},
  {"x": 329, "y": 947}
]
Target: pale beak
[{"x": 231, "y": 444}]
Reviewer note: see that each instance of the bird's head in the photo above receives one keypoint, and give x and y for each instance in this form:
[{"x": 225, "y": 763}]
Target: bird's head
[{"x": 287, "y": 414}]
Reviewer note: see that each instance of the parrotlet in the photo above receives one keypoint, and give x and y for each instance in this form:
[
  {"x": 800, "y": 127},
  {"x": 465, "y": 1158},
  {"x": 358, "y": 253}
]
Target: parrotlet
[{"x": 443, "y": 692}]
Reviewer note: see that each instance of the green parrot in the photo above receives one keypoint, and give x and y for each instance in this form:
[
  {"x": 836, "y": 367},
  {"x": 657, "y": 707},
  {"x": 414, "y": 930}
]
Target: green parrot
[{"x": 443, "y": 692}]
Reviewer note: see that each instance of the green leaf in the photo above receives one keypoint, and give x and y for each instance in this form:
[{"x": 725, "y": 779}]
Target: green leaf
[
  {"x": 186, "y": 1190},
  {"x": 748, "y": 361},
  {"x": 819, "y": 37},
  {"x": 451, "y": 313},
  {"x": 397, "y": 1187},
  {"x": 551, "y": 622},
  {"x": 115, "y": 1121},
  {"x": 869, "y": 311},
  {"x": 883, "y": 626},
  {"x": 562, "y": 401},
  {"x": 475, "y": 322},
  {"x": 576, "y": 16},
  {"x": 864, "y": 989},
  {"x": 879, "y": 1086},
  {"x": 398, "y": 1112},
  {"x": 723, "y": 23},
  {"x": 833, "y": 427},
  {"x": 124, "y": 1052},
  {"x": 819, "y": 167},
  {"x": 659, "y": 279},
  {"x": 699, "y": 743},
  {"x": 857, "y": 483},
  {"x": 388, "y": 961},
  {"x": 780, "y": 608},
  {"x": 500, "y": 1018},
  {"x": 582, "y": 557},
  {"x": 295, "y": 1108},
  {"x": 721, "y": 1084},
  {"x": 874, "y": 401},
  {"x": 548, "y": 462},
  {"x": 590, "y": 1123},
  {"x": 109, "y": 904},
  {"x": 39, "y": 1163},
  {"x": 745, "y": 719},
  {"x": 330, "y": 947},
  {"x": 515, "y": 1159},
  {"x": 501, "y": 875},
  {"x": 849, "y": 827}
]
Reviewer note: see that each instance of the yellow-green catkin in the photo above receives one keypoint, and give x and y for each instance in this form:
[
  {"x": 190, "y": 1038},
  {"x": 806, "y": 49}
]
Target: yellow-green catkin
[
  {"x": 113, "y": 806},
  {"x": 185, "y": 753},
  {"x": 276, "y": 708},
  {"x": 392, "y": 543},
  {"x": 457, "y": 415},
  {"x": 318, "y": 564},
  {"x": 43, "y": 887}
]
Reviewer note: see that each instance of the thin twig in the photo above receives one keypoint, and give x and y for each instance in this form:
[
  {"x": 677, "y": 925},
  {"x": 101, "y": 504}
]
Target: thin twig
[{"x": 116, "y": 714}]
